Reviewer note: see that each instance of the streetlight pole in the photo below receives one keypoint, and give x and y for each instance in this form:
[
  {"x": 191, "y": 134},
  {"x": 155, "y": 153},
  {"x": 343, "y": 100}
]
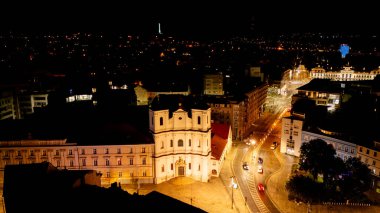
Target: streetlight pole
[{"x": 233, "y": 186}]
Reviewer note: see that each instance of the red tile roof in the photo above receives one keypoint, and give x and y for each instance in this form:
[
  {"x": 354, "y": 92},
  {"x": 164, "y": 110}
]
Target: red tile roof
[
  {"x": 220, "y": 129},
  {"x": 219, "y": 139}
]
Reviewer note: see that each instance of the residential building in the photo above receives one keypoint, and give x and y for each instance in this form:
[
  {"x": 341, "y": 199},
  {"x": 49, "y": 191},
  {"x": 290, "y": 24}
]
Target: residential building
[
  {"x": 213, "y": 84},
  {"x": 221, "y": 141}
]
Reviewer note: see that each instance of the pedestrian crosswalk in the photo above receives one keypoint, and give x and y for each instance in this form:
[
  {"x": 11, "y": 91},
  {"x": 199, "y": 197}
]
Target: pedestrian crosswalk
[{"x": 255, "y": 195}]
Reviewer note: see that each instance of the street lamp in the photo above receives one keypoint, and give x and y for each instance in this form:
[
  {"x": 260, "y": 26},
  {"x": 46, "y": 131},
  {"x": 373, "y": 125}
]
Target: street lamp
[{"x": 233, "y": 186}]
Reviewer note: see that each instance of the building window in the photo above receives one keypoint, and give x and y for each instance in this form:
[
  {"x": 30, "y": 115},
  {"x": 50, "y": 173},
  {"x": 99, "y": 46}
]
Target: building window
[
  {"x": 144, "y": 161},
  {"x": 95, "y": 162},
  {"x": 106, "y": 151},
  {"x": 108, "y": 174},
  {"x": 161, "y": 121},
  {"x": 83, "y": 152},
  {"x": 171, "y": 143},
  {"x": 199, "y": 167},
  {"x": 120, "y": 174},
  {"x": 162, "y": 144},
  {"x": 107, "y": 162},
  {"x": 18, "y": 153},
  {"x": 373, "y": 163},
  {"x": 199, "y": 143},
  {"x": 118, "y": 151},
  {"x": 131, "y": 150},
  {"x": 346, "y": 149},
  {"x": 180, "y": 143},
  {"x": 118, "y": 161},
  {"x": 352, "y": 150},
  {"x": 58, "y": 163},
  {"x": 295, "y": 133},
  {"x": 171, "y": 167},
  {"x": 31, "y": 152},
  {"x": 94, "y": 151},
  {"x": 71, "y": 163},
  {"x": 189, "y": 142},
  {"x": 189, "y": 165},
  {"x": 130, "y": 161},
  {"x": 131, "y": 174},
  {"x": 163, "y": 168},
  {"x": 83, "y": 162},
  {"x": 70, "y": 152},
  {"x": 56, "y": 152},
  {"x": 143, "y": 150},
  {"x": 374, "y": 154},
  {"x": 367, "y": 151},
  {"x": 361, "y": 149},
  {"x": 144, "y": 173},
  {"x": 199, "y": 119}
]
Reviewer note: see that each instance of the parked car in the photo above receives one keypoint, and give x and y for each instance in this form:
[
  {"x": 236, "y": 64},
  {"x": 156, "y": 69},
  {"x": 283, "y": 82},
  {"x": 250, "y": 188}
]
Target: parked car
[
  {"x": 260, "y": 187},
  {"x": 245, "y": 166}
]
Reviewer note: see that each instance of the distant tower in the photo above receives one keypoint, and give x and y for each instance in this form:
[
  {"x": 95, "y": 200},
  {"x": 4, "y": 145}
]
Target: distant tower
[{"x": 159, "y": 29}]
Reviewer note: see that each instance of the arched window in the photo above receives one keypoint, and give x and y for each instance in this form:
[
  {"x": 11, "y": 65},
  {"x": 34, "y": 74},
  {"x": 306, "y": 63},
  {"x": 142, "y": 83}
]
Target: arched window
[
  {"x": 180, "y": 143},
  {"x": 161, "y": 121}
]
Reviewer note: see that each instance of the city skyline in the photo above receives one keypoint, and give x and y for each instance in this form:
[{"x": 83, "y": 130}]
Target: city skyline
[{"x": 193, "y": 20}]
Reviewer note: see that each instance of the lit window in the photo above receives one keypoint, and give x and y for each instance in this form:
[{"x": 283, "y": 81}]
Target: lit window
[{"x": 119, "y": 161}]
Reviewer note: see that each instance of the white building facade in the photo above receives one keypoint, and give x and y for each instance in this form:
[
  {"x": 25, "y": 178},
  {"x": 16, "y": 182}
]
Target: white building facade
[
  {"x": 125, "y": 164},
  {"x": 346, "y": 74},
  {"x": 182, "y": 144}
]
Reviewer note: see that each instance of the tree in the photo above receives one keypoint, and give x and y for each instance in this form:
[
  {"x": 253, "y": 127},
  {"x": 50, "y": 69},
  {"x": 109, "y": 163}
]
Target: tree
[
  {"x": 318, "y": 157},
  {"x": 357, "y": 178},
  {"x": 304, "y": 189}
]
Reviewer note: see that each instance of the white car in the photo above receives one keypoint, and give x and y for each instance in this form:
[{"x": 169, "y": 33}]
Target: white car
[{"x": 260, "y": 170}]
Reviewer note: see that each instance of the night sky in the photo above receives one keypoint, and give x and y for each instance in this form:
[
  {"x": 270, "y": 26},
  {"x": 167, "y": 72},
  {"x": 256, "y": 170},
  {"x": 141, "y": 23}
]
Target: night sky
[{"x": 192, "y": 18}]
